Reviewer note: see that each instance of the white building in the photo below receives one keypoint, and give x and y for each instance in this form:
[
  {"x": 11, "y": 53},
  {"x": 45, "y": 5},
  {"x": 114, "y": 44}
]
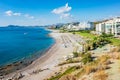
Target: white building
[
  {"x": 111, "y": 26},
  {"x": 80, "y": 26},
  {"x": 86, "y": 25}
]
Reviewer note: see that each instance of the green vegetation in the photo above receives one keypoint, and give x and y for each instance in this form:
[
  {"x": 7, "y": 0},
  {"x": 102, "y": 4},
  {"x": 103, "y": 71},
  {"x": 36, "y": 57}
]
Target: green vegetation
[
  {"x": 68, "y": 71},
  {"x": 83, "y": 57},
  {"x": 96, "y": 42},
  {"x": 72, "y": 60},
  {"x": 68, "y": 77},
  {"x": 76, "y": 54},
  {"x": 97, "y": 66},
  {"x": 63, "y": 31},
  {"x": 114, "y": 41},
  {"x": 92, "y": 37},
  {"x": 86, "y": 34},
  {"x": 86, "y": 58},
  {"x": 107, "y": 37}
]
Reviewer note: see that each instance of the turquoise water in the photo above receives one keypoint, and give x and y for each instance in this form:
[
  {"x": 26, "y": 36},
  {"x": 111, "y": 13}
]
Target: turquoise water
[{"x": 18, "y": 43}]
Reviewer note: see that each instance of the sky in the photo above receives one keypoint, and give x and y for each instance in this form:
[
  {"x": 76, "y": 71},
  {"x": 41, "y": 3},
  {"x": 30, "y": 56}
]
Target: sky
[{"x": 45, "y": 12}]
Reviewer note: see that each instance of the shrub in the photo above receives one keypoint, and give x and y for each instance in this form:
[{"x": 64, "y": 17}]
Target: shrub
[
  {"x": 102, "y": 67},
  {"x": 100, "y": 75},
  {"x": 75, "y": 54},
  {"x": 68, "y": 77},
  {"x": 115, "y": 55},
  {"x": 117, "y": 49},
  {"x": 86, "y": 58},
  {"x": 103, "y": 59},
  {"x": 68, "y": 71},
  {"x": 88, "y": 69},
  {"x": 103, "y": 62}
]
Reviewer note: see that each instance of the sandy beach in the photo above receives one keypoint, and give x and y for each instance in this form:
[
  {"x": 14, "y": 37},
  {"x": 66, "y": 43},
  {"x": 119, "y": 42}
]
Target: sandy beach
[{"x": 46, "y": 65}]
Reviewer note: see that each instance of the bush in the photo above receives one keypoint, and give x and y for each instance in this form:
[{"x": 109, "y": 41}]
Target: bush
[
  {"x": 68, "y": 77},
  {"x": 106, "y": 35},
  {"x": 88, "y": 69},
  {"x": 103, "y": 59},
  {"x": 75, "y": 54},
  {"x": 100, "y": 75},
  {"x": 117, "y": 49},
  {"x": 87, "y": 58},
  {"x": 68, "y": 71}
]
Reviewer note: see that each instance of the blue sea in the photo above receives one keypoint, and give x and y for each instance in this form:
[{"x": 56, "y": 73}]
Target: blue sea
[{"x": 19, "y": 43}]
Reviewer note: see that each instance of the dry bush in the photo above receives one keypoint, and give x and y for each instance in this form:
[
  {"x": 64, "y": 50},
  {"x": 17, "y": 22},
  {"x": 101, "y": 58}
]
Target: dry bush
[
  {"x": 103, "y": 59},
  {"x": 100, "y": 75},
  {"x": 103, "y": 62},
  {"x": 117, "y": 49},
  {"x": 115, "y": 55},
  {"x": 118, "y": 56},
  {"x": 88, "y": 69},
  {"x": 84, "y": 78},
  {"x": 73, "y": 60},
  {"x": 108, "y": 62},
  {"x": 100, "y": 64},
  {"x": 68, "y": 77},
  {"x": 103, "y": 67}
]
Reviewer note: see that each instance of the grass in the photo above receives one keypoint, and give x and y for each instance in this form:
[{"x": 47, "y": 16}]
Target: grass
[
  {"x": 68, "y": 77},
  {"x": 74, "y": 60},
  {"x": 97, "y": 67},
  {"x": 68, "y": 71},
  {"x": 115, "y": 42},
  {"x": 86, "y": 34},
  {"x": 80, "y": 73},
  {"x": 87, "y": 58},
  {"x": 99, "y": 64}
]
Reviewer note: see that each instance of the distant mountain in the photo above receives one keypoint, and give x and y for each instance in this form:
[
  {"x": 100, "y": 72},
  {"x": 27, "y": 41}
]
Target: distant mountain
[{"x": 22, "y": 26}]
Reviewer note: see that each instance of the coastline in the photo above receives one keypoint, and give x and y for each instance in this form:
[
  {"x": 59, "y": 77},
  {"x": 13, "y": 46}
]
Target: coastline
[
  {"x": 45, "y": 65},
  {"x": 17, "y": 66},
  {"x": 20, "y": 66}
]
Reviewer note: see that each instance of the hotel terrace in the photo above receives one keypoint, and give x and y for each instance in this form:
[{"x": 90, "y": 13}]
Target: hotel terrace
[{"x": 110, "y": 26}]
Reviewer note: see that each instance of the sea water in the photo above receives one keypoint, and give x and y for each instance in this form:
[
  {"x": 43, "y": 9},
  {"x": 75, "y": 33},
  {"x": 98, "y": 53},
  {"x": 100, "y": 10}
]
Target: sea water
[{"x": 19, "y": 43}]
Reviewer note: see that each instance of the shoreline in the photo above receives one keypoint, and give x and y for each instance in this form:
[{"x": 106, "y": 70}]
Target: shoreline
[
  {"x": 18, "y": 66},
  {"x": 21, "y": 64},
  {"x": 46, "y": 65}
]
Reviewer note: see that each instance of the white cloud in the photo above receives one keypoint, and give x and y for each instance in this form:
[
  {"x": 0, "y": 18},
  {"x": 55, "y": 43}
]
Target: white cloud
[
  {"x": 17, "y": 14},
  {"x": 9, "y": 13},
  {"x": 28, "y": 16},
  {"x": 63, "y": 11},
  {"x": 32, "y": 17},
  {"x": 65, "y": 15}
]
